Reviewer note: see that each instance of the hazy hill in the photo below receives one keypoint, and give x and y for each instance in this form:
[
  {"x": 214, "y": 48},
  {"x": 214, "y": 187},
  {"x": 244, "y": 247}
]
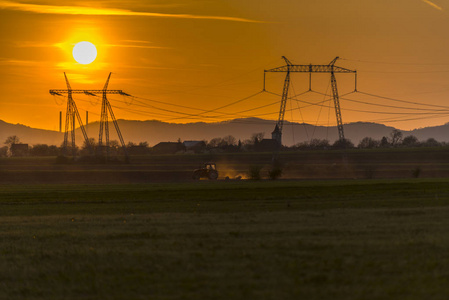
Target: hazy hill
[
  {"x": 29, "y": 135},
  {"x": 154, "y": 132}
]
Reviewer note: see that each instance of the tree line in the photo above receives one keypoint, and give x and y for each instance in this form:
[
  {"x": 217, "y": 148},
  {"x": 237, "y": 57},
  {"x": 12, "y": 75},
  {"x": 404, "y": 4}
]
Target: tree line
[
  {"x": 394, "y": 140},
  {"x": 230, "y": 144}
]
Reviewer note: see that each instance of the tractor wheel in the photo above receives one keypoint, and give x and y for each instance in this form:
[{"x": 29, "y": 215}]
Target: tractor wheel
[
  {"x": 213, "y": 175},
  {"x": 196, "y": 176}
]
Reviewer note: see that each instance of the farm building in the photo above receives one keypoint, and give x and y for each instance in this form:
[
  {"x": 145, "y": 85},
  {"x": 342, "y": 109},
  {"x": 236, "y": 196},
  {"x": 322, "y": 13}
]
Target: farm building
[{"x": 169, "y": 147}]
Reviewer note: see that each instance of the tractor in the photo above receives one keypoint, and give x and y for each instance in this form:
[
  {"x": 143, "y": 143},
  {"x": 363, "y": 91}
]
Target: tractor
[{"x": 208, "y": 170}]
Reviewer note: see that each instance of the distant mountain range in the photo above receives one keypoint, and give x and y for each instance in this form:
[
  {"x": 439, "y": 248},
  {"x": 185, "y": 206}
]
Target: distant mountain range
[{"x": 154, "y": 132}]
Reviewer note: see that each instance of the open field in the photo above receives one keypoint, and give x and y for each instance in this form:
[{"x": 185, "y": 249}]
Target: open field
[
  {"x": 330, "y": 164},
  {"x": 366, "y": 239}
]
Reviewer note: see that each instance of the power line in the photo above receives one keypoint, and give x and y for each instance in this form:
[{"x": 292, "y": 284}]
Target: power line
[
  {"x": 395, "y": 63},
  {"x": 227, "y": 105},
  {"x": 403, "y": 101},
  {"x": 300, "y": 112},
  {"x": 321, "y": 108},
  {"x": 392, "y": 106}
]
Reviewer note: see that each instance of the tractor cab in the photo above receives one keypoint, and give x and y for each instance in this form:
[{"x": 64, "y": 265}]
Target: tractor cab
[
  {"x": 210, "y": 166},
  {"x": 208, "y": 170}
]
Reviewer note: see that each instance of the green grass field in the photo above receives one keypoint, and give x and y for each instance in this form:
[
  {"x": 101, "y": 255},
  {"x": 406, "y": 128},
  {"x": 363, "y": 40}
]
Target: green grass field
[{"x": 369, "y": 239}]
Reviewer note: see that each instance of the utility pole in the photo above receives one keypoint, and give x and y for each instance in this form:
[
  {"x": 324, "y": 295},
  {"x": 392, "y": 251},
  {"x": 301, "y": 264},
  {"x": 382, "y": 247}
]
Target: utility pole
[
  {"x": 106, "y": 110},
  {"x": 289, "y": 68}
]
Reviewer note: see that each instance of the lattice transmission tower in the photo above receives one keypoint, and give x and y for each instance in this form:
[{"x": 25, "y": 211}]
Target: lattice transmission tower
[
  {"x": 106, "y": 110},
  {"x": 291, "y": 68}
]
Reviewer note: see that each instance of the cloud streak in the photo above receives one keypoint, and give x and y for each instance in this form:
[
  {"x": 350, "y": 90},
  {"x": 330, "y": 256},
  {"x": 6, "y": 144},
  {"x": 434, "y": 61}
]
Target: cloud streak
[
  {"x": 92, "y": 11},
  {"x": 136, "y": 44},
  {"x": 432, "y": 4},
  {"x": 18, "y": 62}
]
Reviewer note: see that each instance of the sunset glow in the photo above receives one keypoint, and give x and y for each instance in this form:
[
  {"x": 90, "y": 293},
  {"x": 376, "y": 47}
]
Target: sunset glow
[{"x": 194, "y": 60}]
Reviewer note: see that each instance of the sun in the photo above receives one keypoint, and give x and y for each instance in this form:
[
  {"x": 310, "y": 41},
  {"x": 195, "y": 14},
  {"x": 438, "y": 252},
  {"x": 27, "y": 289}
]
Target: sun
[{"x": 84, "y": 52}]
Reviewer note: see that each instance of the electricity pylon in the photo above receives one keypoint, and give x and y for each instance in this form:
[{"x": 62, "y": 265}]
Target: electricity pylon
[
  {"x": 105, "y": 109},
  {"x": 104, "y": 123},
  {"x": 289, "y": 68},
  {"x": 71, "y": 112}
]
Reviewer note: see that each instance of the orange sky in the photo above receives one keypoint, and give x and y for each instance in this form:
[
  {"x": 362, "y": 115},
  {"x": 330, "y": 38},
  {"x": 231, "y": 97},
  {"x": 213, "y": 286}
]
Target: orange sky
[{"x": 207, "y": 54}]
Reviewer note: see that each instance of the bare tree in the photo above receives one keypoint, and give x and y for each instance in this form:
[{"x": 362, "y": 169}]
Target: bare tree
[
  {"x": 215, "y": 142},
  {"x": 13, "y": 139},
  {"x": 384, "y": 142},
  {"x": 396, "y": 137},
  {"x": 368, "y": 143},
  {"x": 257, "y": 137},
  {"x": 230, "y": 140},
  {"x": 91, "y": 142}
]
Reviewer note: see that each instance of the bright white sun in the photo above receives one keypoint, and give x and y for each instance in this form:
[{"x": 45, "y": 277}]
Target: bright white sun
[{"x": 84, "y": 52}]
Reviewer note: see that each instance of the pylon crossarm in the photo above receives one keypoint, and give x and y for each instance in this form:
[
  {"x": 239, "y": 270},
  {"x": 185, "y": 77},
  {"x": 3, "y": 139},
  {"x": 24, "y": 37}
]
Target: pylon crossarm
[
  {"x": 88, "y": 92},
  {"x": 311, "y": 69}
]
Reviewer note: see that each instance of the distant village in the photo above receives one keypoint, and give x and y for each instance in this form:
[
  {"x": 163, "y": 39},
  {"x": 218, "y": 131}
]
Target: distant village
[{"x": 14, "y": 147}]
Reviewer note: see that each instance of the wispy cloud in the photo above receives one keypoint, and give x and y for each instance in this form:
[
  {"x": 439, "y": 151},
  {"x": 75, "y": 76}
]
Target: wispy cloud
[
  {"x": 18, "y": 62},
  {"x": 134, "y": 3},
  {"x": 136, "y": 41},
  {"x": 84, "y": 10},
  {"x": 29, "y": 44},
  {"x": 136, "y": 44},
  {"x": 432, "y": 4}
]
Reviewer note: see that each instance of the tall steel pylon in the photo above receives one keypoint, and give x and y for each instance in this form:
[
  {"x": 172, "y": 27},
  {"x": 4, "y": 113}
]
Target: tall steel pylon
[
  {"x": 289, "y": 68},
  {"x": 105, "y": 110},
  {"x": 71, "y": 113}
]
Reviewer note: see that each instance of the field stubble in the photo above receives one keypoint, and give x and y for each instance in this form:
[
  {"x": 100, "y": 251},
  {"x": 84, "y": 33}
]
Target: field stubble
[{"x": 226, "y": 240}]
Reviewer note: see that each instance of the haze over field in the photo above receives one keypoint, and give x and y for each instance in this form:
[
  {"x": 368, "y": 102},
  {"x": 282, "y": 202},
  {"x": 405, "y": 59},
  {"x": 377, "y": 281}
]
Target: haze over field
[
  {"x": 184, "y": 61},
  {"x": 154, "y": 132}
]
